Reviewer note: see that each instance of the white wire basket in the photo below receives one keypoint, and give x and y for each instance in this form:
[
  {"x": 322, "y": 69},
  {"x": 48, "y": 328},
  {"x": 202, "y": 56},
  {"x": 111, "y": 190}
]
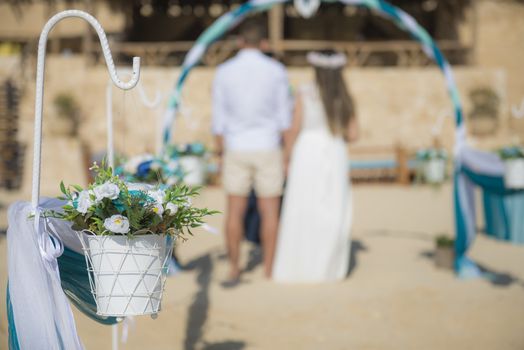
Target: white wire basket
[
  {"x": 514, "y": 173},
  {"x": 127, "y": 275},
  {"x": 435, "y": 171},
  {"x": 194, "y": 168}
]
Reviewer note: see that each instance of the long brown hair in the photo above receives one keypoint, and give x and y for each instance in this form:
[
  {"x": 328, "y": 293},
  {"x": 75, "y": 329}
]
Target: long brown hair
[{"x": 338, "y": 104}]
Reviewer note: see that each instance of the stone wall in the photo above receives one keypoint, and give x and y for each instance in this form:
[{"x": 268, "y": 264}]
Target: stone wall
[{"x": 395, "y": 105}]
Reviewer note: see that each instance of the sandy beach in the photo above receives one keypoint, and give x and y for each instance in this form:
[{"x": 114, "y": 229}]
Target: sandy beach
[{"x": 393, "y": 298}]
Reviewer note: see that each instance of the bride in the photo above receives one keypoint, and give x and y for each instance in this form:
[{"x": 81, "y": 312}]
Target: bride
[{"x": 313, "y": 242}]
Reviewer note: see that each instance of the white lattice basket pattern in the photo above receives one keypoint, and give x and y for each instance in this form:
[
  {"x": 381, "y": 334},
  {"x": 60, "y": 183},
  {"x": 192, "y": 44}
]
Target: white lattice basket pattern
[{"x": 127, "y": 275}]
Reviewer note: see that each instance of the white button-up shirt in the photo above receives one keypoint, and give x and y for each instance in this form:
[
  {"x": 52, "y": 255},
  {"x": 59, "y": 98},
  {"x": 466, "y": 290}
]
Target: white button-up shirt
[{"x": 252, "y": 103}]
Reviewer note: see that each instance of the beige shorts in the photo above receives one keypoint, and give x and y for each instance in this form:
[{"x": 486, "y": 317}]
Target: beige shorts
[{"x": 261, "y": 170}]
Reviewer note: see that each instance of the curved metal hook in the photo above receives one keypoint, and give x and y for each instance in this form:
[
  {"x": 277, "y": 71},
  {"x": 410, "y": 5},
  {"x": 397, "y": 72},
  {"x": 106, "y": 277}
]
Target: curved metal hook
[{"x": 40, "y": 70}]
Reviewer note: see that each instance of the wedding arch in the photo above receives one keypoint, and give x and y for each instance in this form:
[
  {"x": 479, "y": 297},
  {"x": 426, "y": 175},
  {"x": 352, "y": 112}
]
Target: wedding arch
[{"x": 470, "y": 166}]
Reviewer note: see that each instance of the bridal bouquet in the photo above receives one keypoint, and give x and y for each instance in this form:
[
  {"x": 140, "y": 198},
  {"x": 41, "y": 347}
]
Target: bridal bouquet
[{"x": 111, "y": 206}]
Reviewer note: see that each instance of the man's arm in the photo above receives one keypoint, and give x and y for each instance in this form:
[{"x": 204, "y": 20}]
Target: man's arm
[
  {"x": 283, "y": 102},
  {"x": 290, "y": 135},
  {"x": 219, "y": 112}
]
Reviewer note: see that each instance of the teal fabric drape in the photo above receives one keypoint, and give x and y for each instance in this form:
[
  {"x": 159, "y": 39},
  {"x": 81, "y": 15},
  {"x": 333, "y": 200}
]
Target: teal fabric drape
[
  {"x": 75, "y": 283},
  {"x": 503, "y": 207}
]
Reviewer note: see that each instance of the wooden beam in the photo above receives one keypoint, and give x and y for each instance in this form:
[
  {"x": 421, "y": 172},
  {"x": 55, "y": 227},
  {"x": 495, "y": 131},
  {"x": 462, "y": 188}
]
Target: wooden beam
[{"x": 276, "y": 28}]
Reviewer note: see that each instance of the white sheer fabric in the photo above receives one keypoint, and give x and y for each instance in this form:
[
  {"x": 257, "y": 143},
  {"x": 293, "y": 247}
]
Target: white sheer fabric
[
  {"x": 42, "y": 314},
  {"x": 483, "y": 163}
]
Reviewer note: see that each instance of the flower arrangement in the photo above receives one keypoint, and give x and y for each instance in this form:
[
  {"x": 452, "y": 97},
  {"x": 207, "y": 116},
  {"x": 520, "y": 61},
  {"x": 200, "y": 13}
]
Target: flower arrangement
[
  {"x": 188, "y": 149},
  {"x": 443, "y": 240},
  {"x": 444, "y": 251},
  {"x": 511, "y": 153},
  {"x": 192, "y": 158},
  {"x": 513, "y": 158},
  {"x": 149, "y": 169},
  {"x": 111, "y": 206},
  {"x": 431, "y": 165},
  {"x": 431, "y": 153}
]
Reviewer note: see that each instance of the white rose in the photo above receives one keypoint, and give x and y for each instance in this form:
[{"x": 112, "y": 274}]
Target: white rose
[
  {"x": 84, "y": 201},
  {"x": 158, "y": 209},
  {"x": 157, "y": 195},
  {"x": 106, "y": 190},
  {"x": 117, "y": 224},
  {"x": 172, "y": 207},
  {"x": 188, "y": 202}
]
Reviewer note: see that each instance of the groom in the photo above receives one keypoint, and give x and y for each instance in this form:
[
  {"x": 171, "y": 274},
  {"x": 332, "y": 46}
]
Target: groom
[{"x": 251, "y": 109}]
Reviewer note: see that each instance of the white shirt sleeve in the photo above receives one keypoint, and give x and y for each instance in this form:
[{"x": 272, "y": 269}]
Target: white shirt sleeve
[
  {"x": 219, "y": 106},
  {"x": 283, "y": 101}
]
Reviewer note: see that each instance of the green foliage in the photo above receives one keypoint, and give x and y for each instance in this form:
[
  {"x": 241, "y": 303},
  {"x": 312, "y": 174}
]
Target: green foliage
[
  {"x": 66, "y": 105},
  {"x": 139, "y": 207},
  {"x": 444, "y": 241},
  {"x": 510, "y": 153}
]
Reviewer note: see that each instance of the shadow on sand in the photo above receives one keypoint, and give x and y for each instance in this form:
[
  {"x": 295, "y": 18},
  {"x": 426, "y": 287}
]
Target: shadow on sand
[
  {"x": 496, "y": 278},
  {"x": 356, "y": 248},
  {"x": 199, "y": 309}
]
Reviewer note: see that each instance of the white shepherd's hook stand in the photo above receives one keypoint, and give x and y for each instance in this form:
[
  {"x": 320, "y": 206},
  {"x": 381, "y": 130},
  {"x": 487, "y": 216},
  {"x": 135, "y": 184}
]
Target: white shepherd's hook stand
[{"x": 40, "y": 70}]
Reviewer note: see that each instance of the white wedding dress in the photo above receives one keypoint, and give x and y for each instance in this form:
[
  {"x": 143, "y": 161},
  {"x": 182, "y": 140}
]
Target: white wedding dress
[{"x": 314, "y": 234}]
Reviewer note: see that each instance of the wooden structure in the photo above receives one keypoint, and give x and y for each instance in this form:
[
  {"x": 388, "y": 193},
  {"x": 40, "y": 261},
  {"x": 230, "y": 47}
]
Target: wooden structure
[
  {"x": 162, "y": 31},
  {"x": 382, "y": 164},
  {"x": 291, "y": 37}
]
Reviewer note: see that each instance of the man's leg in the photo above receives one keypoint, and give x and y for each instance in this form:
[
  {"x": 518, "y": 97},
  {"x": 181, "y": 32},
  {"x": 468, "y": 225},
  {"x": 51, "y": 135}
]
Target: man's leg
[
  {"x": 269, "y": 212},
  {"x": 236, "y": 209}
]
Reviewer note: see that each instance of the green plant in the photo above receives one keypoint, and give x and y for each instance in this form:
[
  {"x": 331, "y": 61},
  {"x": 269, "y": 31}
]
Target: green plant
[
  {"x": 431, "y": 153},
  {"x": 110, "y": 206},
  {"x": 444, "y": 241},
  {"x": 509, "y": 153},
  {"x": 68, "y": 109}
]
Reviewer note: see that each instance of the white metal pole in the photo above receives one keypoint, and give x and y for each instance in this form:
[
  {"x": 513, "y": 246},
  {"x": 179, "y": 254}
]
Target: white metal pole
[{"x": 40, "y": 70}]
